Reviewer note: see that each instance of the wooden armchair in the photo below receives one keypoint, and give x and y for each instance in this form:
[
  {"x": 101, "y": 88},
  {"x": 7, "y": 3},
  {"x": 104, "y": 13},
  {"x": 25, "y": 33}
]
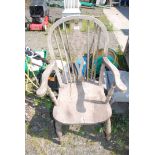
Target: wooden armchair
[{"x": 81, "y": 99}]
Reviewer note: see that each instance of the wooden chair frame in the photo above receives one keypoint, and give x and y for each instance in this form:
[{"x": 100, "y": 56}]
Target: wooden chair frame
[{"x": 44, "y": 88}]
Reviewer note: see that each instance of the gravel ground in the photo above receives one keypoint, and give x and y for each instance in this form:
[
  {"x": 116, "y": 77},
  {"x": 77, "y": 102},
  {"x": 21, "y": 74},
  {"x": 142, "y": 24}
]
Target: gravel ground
[
  {"x": 40, "y": 138},
  {"x": 38, "y": 40}
]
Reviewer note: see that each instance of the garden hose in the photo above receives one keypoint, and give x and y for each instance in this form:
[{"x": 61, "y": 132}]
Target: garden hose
[
  {"x": 28, "y": 75},
  {"x": 112, "y": 53}
]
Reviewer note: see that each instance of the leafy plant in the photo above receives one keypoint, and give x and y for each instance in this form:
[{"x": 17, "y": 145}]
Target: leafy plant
[{"x": 38, "y": 101}]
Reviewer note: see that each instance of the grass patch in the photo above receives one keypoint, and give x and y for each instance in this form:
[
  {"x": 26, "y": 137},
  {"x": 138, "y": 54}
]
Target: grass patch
[
  {"x": 106, "y": 22},
  {"x": 68, "y": 28},
  {"x": 81, "y": 132},
  {"x": 36, "y": 145},
  {"x": 46, "y": 100},
  {"x": 84, "y": 27},
  {"x": 120, "y": 131},
  {"x": 103, "y": 19},
  {"x": 27, "y": 125},
  {"x": 99, "y": 129},
  {"x": 120, "y": 124},
  {"x": 44, "y": 133}
]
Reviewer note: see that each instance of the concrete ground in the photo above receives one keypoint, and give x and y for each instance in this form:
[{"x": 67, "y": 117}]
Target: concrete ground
[
  {"x": 119, "y": 17},
  {"x": 38, "y": 40}
]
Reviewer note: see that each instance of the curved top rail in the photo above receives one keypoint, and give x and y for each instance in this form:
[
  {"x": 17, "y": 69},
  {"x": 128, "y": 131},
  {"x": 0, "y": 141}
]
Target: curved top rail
[{"x": 77, "y": 17}]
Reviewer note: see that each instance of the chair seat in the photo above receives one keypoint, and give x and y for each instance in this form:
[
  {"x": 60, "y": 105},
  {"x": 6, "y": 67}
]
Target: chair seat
[{"x": 81, "y": 103}]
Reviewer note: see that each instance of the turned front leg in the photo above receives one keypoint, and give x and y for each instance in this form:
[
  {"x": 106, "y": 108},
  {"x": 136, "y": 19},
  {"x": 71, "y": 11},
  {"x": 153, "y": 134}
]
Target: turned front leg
[
  {"x": 108, "y": 129},
  {"x": 58, "y": 127}
]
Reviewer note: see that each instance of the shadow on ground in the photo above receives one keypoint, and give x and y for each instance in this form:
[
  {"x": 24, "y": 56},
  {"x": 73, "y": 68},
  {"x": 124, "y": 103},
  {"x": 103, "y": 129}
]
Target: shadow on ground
[
  {"x": 125, "y": 31},
  {"x": 124, "y": 11},
  {"x": 41, "y": 126}
]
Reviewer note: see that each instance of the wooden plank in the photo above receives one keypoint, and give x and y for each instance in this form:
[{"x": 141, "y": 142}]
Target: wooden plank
[{"x": 85, "y": 104}]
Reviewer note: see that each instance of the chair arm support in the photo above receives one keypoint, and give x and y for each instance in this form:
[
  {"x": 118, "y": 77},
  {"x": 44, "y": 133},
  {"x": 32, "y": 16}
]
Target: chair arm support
[
  {"x": 44, "y": 81},
  {"x": 118, "y": 82}
]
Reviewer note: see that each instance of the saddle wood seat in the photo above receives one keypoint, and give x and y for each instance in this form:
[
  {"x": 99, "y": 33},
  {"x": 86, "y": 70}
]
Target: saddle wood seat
[{"x": 81, "y": 103}]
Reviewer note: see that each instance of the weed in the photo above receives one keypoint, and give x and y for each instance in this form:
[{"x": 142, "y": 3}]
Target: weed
[
  {"x": 120, "y": 123},
  {"x": 37, "y": 147},
  {"x": 103, "y": 19},
  {"x": 44, "y": 133},
  {"x": 120, "y": 143},
  {"x": 106, "y": 22},
  {"x": 120, "y": 127},
  {"x": 99, "y": 129},
  {"x": 36, "y": 101},
  {"x": 27, "y": 124},
  {"x": 84, "y": 26}
]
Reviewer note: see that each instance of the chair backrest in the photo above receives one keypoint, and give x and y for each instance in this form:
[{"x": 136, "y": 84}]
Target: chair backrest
[
  {"x": 69, "y": 4},
  {"x": 72, "y": 36}
]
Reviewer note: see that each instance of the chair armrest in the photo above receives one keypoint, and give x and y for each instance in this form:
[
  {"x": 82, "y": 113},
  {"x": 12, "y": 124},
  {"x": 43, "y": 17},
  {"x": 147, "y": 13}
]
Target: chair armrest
[
  {"x": 44, "y": 81},
  {"x": 118, "y": 82}
]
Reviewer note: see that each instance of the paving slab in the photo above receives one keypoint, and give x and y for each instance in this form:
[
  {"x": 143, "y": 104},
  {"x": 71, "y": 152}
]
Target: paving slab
[{"x": 119, "y": 17}]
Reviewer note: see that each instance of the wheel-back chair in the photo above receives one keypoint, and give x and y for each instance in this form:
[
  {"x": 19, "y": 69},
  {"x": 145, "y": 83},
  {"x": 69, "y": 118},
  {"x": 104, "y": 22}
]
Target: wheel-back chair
[{"x": 81, "y": 98}]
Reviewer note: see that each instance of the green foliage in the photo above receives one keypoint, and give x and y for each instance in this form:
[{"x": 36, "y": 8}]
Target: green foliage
[
  {"x": 99, "y": 129},
  {"x": 36, "y": 101},
  {"x": 48, "y": 103},
  {"x": 43, "y": 100},
  {"x": 106, "y": 22},
  {"x": 68, "y": 28},
  {"x": 120, "y": 123},
  {"x": 119, "y": 49},
  {"x": 81, "y": 132},
  {"x": 84, "y": 26},
  {"x": 120, "y": 130},
  {"x": 120, "y": 127},
  {"x": 44, "y": 133},
  {"x": 121, "y": 59},
  {"x": 27, "y": 125}
]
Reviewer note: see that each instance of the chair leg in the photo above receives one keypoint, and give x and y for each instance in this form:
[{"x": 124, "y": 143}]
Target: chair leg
[
  {"x": 108, "y": 129},
  {"x": 58, "y": 128}
]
